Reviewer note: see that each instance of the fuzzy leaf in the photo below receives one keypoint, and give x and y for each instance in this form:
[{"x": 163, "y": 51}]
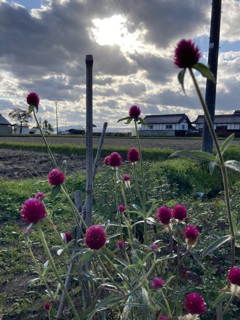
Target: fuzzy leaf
[
  {"x": 30, "y": 109},
  {"x": 233, "y": 164},
  {"x": 226, "y": 143},
  {"x": 55, "y": 191},
  {"x": 129, "y": 119},
  {"x": 205, "y": 71},
  {"x": 194, "y": 155},
  {"x": 141, "y": 121},
  {"x": 221, "y": 298},
  {"x": 181, "y": 78},
  {"x": 212, "y": 166},
  {"x": 146, "y": 300},
  {"x": 197, "y": 257},
  {"x": 85, "y": 257},
  {"x": 216, "y": 244}
]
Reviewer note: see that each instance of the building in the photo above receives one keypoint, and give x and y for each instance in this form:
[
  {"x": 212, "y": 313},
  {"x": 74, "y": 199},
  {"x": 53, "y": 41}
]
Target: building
[
  {"x": 5, "y": 126},
  {"x": 20, "y": 129},
  {"x": 224, "y": 125},
  {"x": 166, "y": 125}
]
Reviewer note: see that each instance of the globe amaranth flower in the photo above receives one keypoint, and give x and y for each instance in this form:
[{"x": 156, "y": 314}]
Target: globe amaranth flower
[
  {"x": 47, "y": 306},
  {"x": 39, "y": 195},
  {"x": 95, "y": 237},
  {"x": 106, "y": 161},
  {"x": 179, "y": 212},
  {"x": 195, "y": 304},
  {"x": 164, "y": 318},
  {"x": 134, "y": 112},
  {"x": 234, "y": 276},
  {"x": 133, "y": 155},
  {"x": 158, "y": 283},
  {"x": 191, "y": 234},
  {"x": 121, "y": 208},
  {"x": 154, "y": 246},
  {"x": 68, "y": 236},
  {"x": 121, "y": 244},
  {"x": 186, "y": 54},
  {"x": 56, "y": 177},
  {"x": 33, "y": 211},
  {"x": 164, "y": 215},
  {"x": 33, "y": 99},
  {"x": 126, "y": 179},
  {"x": 115, "y": 160}
]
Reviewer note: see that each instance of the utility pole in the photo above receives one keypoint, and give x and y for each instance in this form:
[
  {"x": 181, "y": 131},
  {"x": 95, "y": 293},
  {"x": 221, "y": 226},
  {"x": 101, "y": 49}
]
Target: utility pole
[
  {"x": 210, "y": 95},
  {"x": 56, "y": 117}
]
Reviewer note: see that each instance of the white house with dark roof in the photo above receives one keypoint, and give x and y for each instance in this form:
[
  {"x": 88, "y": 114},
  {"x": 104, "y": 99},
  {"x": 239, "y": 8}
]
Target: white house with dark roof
[
  {"x": 170, "y": 125},
  {"x": 5, "y": 126},
  {"x": 223, "y": 124}
]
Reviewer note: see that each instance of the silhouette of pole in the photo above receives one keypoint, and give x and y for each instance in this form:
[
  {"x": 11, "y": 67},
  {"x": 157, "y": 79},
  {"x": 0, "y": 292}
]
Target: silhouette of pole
[
  {"x": 210, "y": 95},
  {"x": 56, "y": 116}
]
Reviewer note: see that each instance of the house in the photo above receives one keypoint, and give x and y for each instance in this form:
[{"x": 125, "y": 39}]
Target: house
[
  {"x": 166, "y": 125},
  {"x": 35, "y": 130},
  {"x": 224, "y": 125},
  {"x": 5, "y": 126},
  {"x": 20, "y": 129}
]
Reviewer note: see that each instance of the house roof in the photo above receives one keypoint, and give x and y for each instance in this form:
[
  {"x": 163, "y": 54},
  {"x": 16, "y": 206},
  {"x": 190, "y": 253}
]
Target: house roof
[
  {"x": 4, "y": 121},
  {"x": 221, "y": 119},
  {"x": 166, "y": 118}
]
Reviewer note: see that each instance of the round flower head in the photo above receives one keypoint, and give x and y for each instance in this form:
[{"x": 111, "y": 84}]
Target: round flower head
[
  {"x": 158, "y": 283},
  {"x": 164, "y": 318},
  {"x": 133, "y": 155},
  {"x": 68, "y": 236},
  {"x": 121, "y": 244},
  {"x": 195, "y": 304},
  {"x": 191, "y": 233},
  {"x": 115, "y": 160},
  {"x": 126, "y": 177},
  {"x": 121, "y": 208},
  {"x": 47, "y": 306},
  {"x": 33, "y": 211},
  {"x": 33, "y": 99},
  {"x": 154, "y": 246},
  {"x": 164, "y": 215},
  {"x": 56, "y": 177},
  {"x": 186, "y": 54},
  {"x": 106, "y": 161},
  {"x": 95, "y": 237},
  {"x": 234, "y": 275},
  {"x": 39, "y": 195},
  {"x": 134, "y": 112},
  {"x": 179, "y": 212}
]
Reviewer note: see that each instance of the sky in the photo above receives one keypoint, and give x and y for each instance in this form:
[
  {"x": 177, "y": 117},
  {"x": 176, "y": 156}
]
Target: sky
[{"x": 44, "y": 43}]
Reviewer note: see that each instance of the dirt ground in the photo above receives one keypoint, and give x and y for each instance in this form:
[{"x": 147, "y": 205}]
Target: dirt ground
[{"x": 17, "y": 164}]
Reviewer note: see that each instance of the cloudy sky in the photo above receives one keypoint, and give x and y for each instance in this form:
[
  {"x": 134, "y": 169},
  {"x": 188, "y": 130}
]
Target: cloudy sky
[{"x": 43, "y": 45}]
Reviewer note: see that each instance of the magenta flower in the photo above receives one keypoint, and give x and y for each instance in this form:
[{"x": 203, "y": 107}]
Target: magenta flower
[
  {"x": 164, "y": 215},
  {"x": 164, "y": 318},
  {"x": 115, "y": 160},
  {"x": 134, "y": 112},
  {"x": 95, "y": 237},
  {"x": 154, "y": 246},
  {"x": 158, "y": 283},
  {"x": 126, "y": 177},
  {"x": 39, "y": 195},
  {"x": 186, "y": 54},
  {"x": 133, "y": 155},
  {"x": 68, "y": 236},
  {"x": 56, "y": 177},
  {"x": 234, "y": 275},
  {"x": 121, "y": 208},
  {"x": 33, "y": 211},
  {"x": 47, "y": 306},
  {"x": 121, "y": 244},
  {"x": 33, "y": 99},
  {"x": 195, "y": 304},
  {"x": 191, "y": 233},
  {"x": 179, "y": 212},
  {"x": 106, "y": 161}
]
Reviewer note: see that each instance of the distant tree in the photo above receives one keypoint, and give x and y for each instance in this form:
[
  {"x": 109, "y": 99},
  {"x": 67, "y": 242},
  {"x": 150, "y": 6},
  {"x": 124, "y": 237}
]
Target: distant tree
[
  {"x": 47, "y": 126},
  {"x": 21, "y": 116}
]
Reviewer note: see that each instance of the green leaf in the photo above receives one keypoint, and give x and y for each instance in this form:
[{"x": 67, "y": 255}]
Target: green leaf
[
  {"x": 201, "y": 155},
  {"x": 226, "y": 143},
  {"x": 181, "y": 78},
  {"x": 85, "y": 257},
  {"x": 141, "y": 121},
  {"x": 129, "y": 119},
  {"x": 216, "y": 244},
  {"x": 233, "y": 164},
  {"x": 197, "y": 257},
  {"x": 55, "y": 191},
  {"x": 127, "y": 308},
  {"x": 205, "y": 71},
  {"x": 30, "y": 109},
  {"x": 212, "y": 166},
  {"x": 221, "y": 298},
  {"x": 146, "y": 300}
]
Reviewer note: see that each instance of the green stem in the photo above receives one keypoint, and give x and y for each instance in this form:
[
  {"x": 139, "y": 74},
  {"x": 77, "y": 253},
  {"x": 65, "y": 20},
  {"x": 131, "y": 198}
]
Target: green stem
[
  {"x": 52, "y": 263},
  {"x": 167, "y": 304},
  {"x": 230, "y": 300},
  {"x": 221, "y": 164}
]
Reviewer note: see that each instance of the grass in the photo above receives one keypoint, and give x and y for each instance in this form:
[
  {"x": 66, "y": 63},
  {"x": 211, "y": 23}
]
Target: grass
[{"x": 22, "y": 294}]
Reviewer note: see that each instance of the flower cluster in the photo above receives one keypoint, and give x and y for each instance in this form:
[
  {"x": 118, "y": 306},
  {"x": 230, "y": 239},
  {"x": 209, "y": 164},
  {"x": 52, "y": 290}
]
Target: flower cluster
[
  {"x": 33, "y": 99},
  {"x": 164, "y": 215},
  {"x": 95, "y": 237},
  {"x": 56, "y": 177},
  {"x": 134, "y": 112},
  {"x": 186, "y": 54},
  {"x": 234, "y": 276},
  {"x": 158, "y": 283},
  {"x": 195, "y": 304},
  {"x": 33, "y": 210},
  {"x": 179, "y": 212},
  {"x": 113, "y": 160},
  {"x": 133, "y": 155}
]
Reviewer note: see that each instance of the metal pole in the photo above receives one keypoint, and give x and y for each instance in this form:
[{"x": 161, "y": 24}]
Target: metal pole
[
  {"x": 89, "y": 140},
  {"x": 210, "y": 95},
  {"x": 56, "y": 116}
]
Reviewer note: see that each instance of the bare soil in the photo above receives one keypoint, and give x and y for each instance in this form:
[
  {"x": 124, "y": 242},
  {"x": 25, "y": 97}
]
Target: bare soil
[{"x": 17, "y": 164}]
